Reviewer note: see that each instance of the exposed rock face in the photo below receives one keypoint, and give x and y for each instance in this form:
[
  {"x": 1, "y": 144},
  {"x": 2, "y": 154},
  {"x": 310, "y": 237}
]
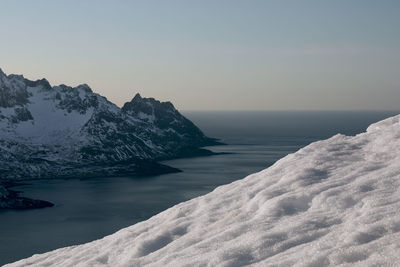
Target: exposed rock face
[
  {"x": 166, "y": 127},
  {"x": 62, "y": 131}
]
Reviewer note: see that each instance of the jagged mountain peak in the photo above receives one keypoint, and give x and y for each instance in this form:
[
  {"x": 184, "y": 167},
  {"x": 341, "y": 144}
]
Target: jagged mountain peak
[
  {"x": 84, "y": 87},
  {"x": 44, "y": 83},
  {"x": 11, "y": 76},
  {"x": 64, "y": 131},
  {"x": 137, "y": 97},
  {"x": 16, "y": 76},
  {"x": 147, "y": 105},
  {"x": 12, "y": 91}
]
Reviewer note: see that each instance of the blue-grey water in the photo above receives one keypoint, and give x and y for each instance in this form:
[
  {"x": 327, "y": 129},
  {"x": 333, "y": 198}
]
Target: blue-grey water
[{"x": 88, "y": 209}]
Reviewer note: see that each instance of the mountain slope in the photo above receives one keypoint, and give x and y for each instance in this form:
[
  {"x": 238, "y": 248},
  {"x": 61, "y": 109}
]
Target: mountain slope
[
  {"x": 62, "y": 131},
  {"x": 333, "y": 203}
]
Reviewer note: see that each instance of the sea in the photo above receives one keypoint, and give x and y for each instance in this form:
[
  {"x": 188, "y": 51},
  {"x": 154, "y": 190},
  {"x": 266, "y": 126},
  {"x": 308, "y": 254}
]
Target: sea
[{"x": 89, "y": 209}]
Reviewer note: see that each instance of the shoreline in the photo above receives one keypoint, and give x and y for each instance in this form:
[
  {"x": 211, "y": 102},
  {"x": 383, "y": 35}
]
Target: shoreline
[{"x": 11, "y": 199}]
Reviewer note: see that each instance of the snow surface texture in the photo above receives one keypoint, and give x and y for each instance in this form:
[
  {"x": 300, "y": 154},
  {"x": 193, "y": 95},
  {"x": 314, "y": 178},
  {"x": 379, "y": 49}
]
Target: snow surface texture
[{"x": 335, "y": 202}]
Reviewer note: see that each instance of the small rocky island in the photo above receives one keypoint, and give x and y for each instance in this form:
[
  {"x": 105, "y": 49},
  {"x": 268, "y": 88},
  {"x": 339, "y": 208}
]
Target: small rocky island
[
  {"x": 50, "y": 132},
  {"x": 10, "y": 199}
]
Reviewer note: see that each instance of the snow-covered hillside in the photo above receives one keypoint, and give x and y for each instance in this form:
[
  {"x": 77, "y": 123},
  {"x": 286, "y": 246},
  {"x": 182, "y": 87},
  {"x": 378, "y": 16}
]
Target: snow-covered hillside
[
  {"x": 333, "y": 203},
  {"x": 62, "y": 131}
]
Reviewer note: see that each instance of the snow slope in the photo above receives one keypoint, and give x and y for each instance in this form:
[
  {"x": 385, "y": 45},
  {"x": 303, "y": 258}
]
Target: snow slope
[{"x": 335, "y": 202}]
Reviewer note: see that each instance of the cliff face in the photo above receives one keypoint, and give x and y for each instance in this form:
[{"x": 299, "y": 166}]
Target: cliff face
[{"x": 62, "y": 131}]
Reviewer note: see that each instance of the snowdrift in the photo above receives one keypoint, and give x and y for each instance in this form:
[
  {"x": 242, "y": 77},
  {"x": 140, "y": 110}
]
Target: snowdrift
[{"x": 335, "y": 202}]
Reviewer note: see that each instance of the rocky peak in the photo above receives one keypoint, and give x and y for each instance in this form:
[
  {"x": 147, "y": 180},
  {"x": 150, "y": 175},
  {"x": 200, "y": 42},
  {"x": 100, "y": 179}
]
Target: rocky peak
[
  {"x": 12, "y": 90},
  {"x": 74, "y": 132},
  {"x": 85, "y": 88},
  {"x": 137, "y": 97},
  {"x": 149, "y": 106},
  {"x": 3, "y": 78},
  {"x": 42, "y": 82},
  {"x": 164, "y": 116}
]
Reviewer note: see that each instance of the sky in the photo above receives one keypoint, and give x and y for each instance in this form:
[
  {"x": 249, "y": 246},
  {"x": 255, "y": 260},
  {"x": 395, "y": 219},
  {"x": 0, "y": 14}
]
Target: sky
[{"x": 212, "y": 54}]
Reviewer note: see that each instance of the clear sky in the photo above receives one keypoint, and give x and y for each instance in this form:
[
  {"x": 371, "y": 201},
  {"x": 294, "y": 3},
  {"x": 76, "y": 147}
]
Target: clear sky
[{"x": 212, "y": 54}]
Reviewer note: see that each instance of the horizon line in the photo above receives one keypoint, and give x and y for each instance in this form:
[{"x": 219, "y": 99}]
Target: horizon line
[{"x": 289, "y": 110}]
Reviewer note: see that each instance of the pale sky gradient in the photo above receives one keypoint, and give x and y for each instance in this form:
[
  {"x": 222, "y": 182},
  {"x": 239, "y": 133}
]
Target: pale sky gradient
[{"x": 212, "y": 55}]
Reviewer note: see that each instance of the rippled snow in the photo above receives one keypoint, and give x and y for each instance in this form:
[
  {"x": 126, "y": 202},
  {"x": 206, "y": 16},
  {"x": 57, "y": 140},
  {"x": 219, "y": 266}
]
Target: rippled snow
[{"x": 335, "y": 202}]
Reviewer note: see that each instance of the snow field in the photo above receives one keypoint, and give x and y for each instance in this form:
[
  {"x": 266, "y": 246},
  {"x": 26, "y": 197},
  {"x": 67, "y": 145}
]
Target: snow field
[{"x": 333, "y": 203}]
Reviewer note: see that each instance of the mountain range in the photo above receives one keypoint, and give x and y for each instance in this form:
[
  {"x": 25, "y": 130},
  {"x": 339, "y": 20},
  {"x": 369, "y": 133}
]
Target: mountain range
[{"x": 62, "y": 132}]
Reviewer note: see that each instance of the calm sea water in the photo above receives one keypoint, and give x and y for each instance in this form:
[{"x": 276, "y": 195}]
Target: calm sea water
[{"x": 89, "y": 209}]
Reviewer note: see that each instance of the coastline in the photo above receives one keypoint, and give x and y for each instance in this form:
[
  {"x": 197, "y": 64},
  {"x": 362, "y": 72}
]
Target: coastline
[{"x": 11, "y": 199}]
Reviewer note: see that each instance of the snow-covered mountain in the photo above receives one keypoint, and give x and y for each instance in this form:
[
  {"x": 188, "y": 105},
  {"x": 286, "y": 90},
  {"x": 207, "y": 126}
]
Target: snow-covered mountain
[
  {"x": 333, "y": 203},
  {"x": 62, "y": 131}
]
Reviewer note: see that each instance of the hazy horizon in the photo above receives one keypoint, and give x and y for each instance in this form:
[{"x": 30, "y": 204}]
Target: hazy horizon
[{"x": 212, "y": 55}]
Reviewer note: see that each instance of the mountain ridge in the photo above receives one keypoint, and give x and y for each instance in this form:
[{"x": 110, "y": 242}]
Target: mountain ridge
[{"x": 62, "y": 132}]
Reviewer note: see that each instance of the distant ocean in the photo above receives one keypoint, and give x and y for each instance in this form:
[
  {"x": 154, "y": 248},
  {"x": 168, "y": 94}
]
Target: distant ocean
[{"x": 88, "y": 209}]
